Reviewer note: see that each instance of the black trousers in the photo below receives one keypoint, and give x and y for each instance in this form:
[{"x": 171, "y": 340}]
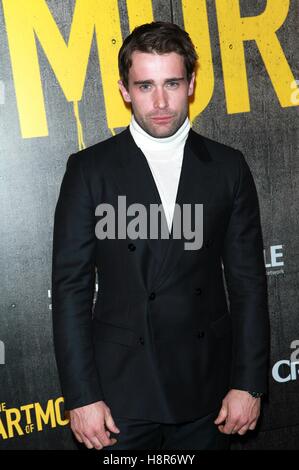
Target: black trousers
[{"x": 200, "y": 434}]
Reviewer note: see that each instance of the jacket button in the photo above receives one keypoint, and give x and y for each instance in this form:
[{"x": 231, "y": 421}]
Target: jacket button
[
  {"x": 131, "y": 247},
  {"x": 200, "y": 334},
  {"x": 152, "y": 296},
  {"x": 141, "y": 340},
  {"x": 198, "y": 291}
]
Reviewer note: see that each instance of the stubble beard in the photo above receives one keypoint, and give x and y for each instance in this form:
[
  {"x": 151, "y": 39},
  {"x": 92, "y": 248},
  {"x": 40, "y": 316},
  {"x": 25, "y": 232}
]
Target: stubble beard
[{"x": 161, "y": 130}]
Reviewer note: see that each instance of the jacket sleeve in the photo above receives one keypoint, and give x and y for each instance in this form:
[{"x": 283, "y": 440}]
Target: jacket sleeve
[
  {"x": 73, "y": 279},
  {"x": 245, "y": 275}
]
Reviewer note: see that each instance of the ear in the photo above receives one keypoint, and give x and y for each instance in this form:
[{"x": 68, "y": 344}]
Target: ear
[
  {"x": 191, "y": 85},
  {"x": 124, "y": 91}
]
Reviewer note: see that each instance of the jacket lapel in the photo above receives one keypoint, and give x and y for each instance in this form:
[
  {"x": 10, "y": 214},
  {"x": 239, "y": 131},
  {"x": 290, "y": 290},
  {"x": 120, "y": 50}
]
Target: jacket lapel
[
  {"x": 195, "y": 185},
  {"x": 135, "y": 180}
]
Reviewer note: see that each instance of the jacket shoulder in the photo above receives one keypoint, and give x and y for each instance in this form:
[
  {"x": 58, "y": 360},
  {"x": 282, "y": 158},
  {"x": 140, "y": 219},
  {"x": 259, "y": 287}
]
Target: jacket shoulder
[
  {"x": 100, "y": 152},
  {"x": 218, "y": 151}
]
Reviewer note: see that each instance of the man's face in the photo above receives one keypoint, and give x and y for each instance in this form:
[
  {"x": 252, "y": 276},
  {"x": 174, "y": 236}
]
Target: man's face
[{"x": 158, "y": 91}]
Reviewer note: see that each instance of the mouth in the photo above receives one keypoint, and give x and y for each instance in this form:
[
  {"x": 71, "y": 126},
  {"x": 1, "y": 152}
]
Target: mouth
[{"x": 162, "y": 119}]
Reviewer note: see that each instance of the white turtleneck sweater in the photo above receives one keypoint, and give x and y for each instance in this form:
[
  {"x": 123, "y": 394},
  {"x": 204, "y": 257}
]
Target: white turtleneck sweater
[{"x": 164, "y": 157}]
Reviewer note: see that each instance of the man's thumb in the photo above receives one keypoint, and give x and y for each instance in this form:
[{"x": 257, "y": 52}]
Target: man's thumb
[
  {"x": 222, "y": 415},
  {"x": 110, "y": 422}
]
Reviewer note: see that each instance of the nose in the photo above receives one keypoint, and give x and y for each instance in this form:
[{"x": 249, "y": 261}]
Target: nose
[{"x": 160, "y": 99}]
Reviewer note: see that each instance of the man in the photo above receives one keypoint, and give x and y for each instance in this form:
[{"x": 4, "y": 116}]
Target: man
[{"x": 164, "y": 362}]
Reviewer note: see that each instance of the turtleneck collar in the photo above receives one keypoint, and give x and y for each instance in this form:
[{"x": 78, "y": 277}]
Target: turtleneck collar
[{"x": 145, "y": 140}]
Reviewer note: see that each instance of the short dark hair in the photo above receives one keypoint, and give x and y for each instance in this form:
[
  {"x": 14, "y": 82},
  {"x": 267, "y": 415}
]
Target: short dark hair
[{"x": 160, "y": 37}]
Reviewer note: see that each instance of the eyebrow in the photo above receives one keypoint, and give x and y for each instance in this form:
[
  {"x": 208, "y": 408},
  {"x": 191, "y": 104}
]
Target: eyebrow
[{"x": 173, "y": 79}]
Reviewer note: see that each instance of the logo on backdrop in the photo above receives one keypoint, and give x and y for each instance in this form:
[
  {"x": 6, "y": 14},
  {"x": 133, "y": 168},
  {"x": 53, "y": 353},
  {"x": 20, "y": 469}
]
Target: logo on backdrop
[
  {"x": 287, "y": 370},
  {"x": 30, "y": 418},
  {"x": 91, "y": 19},
  {"x": 274, "y": 260},
  {"x": 2, "y": 353},
  {"x": 295, "y": 93}
]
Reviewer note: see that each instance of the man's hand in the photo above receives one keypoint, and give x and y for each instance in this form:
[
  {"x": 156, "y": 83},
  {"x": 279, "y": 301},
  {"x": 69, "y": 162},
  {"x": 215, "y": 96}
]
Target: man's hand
[
  {"x": 239, "y": 412},
  {"x": 88, "y": 424}
]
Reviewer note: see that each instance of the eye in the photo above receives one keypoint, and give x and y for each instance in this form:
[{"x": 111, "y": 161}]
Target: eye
[
  {"x": 173, "y": 84},
  {"x": 145, "y": 87}
]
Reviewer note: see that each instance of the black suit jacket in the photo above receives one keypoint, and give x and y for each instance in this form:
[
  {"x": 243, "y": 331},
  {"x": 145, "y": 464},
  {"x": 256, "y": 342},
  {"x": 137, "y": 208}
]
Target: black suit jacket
[{"x": 163, "y": 343}]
